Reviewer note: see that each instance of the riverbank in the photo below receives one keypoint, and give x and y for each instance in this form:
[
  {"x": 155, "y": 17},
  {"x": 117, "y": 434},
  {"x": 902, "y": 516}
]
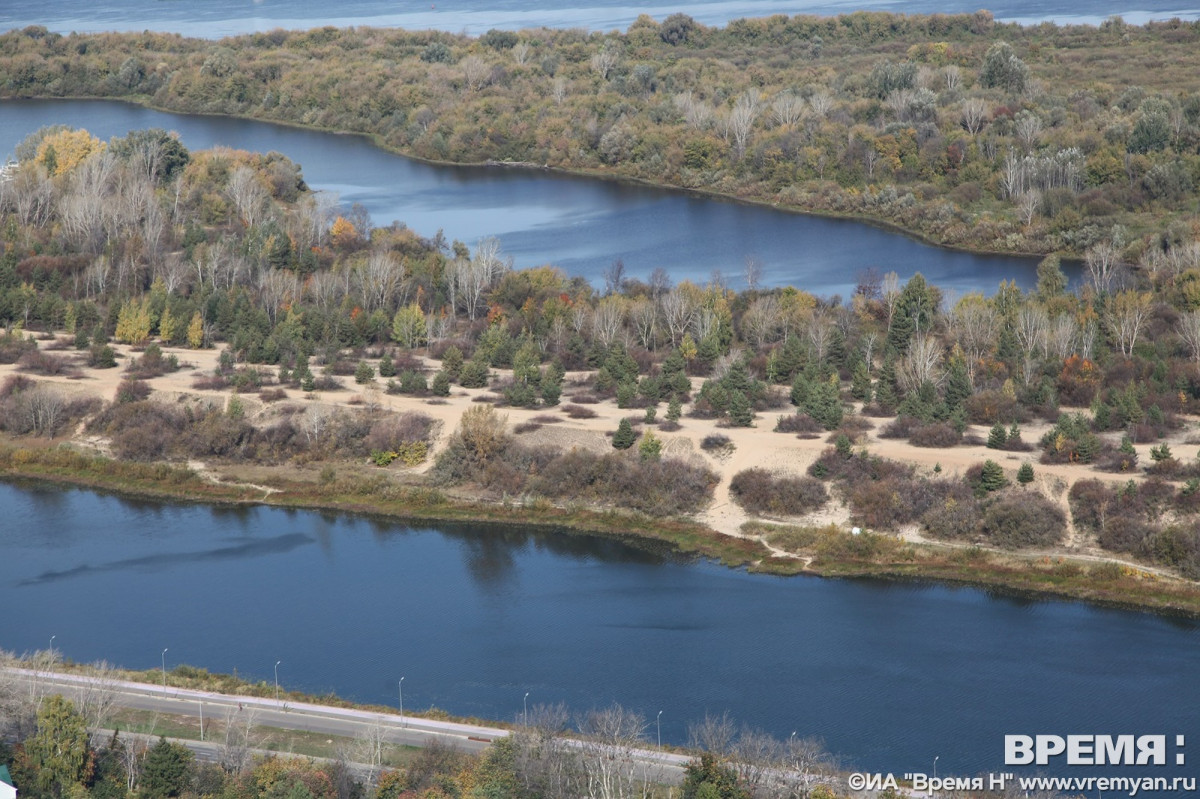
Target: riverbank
[
  {"x": 752, "y": 112},
  {"x": 825, "y": 554}
]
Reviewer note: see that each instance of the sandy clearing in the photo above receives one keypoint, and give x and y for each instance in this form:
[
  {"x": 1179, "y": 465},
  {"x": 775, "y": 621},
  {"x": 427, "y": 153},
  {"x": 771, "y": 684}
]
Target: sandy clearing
[{"x": 758, "y": 446}]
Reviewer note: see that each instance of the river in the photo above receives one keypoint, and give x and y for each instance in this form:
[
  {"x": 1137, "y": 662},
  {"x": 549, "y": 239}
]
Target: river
[
  {"x": 579, "y": 224},
  {"x": 890, "y": 675},
  {"x": 216, "y": 18}
]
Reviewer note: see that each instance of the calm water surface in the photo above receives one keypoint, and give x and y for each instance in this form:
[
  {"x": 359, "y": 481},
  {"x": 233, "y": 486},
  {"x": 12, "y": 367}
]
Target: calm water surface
[
  {"x": 215, "y": 18},
  {"x": 890, "y": 675},
  {"x": 578, "y": 224}
]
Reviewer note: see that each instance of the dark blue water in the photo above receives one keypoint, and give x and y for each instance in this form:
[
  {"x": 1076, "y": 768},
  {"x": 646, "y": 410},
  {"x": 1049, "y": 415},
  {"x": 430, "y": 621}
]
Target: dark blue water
[
  {"x": 215, "y": 18},
  {"x": 890, "y": 675},
  {"x": 578, "y": 224}
]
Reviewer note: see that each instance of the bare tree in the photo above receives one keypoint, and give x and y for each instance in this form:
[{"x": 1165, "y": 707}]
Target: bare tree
[
  {"x": 821, "y": 103},
  {"x": 41, "y": 410},
  {"x": 787, "y": 108},
  {"x": 643, "y": 315},
  {"x": 752, "y": 269},
  {"x": 975, "y": 325},
  {"x": 921, "y": 364},
  {"x": 952, "y": 76},
  {"x": 1031, "y": 327},
  {"x": 1028, "y": 128},
  {"x": 1189, "y": 332},
  {"x": 608, "y": 320},
  {"x": 614, "y": 277},
  {"x": 313, "y": 423},
  {"x": 1061, "y": 336},
  {"x": 820, "y": 332},
  {"x": 973, "y": 115},
  {"x": 1027, "y": 205},
  {"x": 1102, "y": 262},
  {"x": 379, "y": 279},
  {"x": 679, "y": 309},
  {"x": 547, "y": 764},
  {"x": 761, "y": 322},
  {"x": 714, "y": 734},
  {"x": 520, "y": 52},
  {"x": 1125, "y": 316},
  {"x": 611, "y": 770},
  {"x": 696, "y": 113},
  {"x": 370, "y": 744},
  {"x": 476, "y": 72},
  {"x": 276, "y": 287},
  {"x": 889, "y": 291},
  {"x": 248, "y": 195},
  {"x": 133, "y": 755},
  {"x": 605, "y": 61},
  {"x": 558, "y": 89},
  {"x": 740, "y": 121},
  {"x": 97, "y": 697},
  {"x": 239, "y": 739}
]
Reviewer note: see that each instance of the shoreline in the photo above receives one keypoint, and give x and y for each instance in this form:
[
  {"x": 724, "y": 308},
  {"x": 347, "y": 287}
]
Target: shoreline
[
  {"x": 579, "y": 172},
  {"x": 1015, "y": 575}
]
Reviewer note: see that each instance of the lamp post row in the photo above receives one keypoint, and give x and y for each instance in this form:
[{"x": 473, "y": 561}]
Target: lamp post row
[{"x": 400, "y": 690}]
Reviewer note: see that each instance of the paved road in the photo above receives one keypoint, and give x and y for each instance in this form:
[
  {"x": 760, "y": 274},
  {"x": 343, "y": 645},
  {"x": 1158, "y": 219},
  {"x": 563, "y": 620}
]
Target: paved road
[{"x": 664, "y": 766}]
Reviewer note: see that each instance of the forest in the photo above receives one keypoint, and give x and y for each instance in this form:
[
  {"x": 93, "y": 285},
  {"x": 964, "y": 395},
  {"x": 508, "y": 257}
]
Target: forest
[
  {"x": 115, "y": 252},
  {"x": 965, "y": 131}
]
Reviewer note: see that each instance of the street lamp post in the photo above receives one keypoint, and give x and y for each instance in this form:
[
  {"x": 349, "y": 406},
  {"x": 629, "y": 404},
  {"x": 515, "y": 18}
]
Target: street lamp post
[
  {"x": 935, "y": 760},
  {"x": 525, "y": 706},
  {"x": 403, "y": 723},
  {"x": 658, "y": 723},
  {"x": 164, "y": 665},
  {"x": 52, "y": 646},
  {"x": 277, "y": 680}
]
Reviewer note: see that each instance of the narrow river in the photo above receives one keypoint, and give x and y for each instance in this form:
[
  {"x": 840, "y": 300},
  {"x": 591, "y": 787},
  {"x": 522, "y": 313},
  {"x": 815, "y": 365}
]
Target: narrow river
[{"x": 579, "y": 224}]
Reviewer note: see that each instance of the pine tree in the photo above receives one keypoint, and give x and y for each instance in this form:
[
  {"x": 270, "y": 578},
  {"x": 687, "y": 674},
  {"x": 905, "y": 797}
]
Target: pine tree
[
  {"x": 860, "y": 383},
  {"x": 165, "y": 772},
  {"x": 958, "y": 384},
  {"x": 1025, "y": 474},
  {"x": 824, "y": 404},
  {"x": 441, "y": 384},
  {"x": 365, "y": 373},
  {"x": 998, "y": 437},
  {"x": 740, "y": 412},
  {"x": 651, "y": 447},
  {"x": 1129, "y": 456},
  {"x": 624, "y": 437},
  {"x": 387, "y": 368},
  {"x": 886, "y": 395},
  {"x": 992, "y": 478},
  {"x": 675, "y": 410}
]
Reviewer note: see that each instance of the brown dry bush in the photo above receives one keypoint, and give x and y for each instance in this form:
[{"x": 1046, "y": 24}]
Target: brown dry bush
[
  {"x": 758, "y": 491},
  {"x": 657, "y": 487},
  {"x": 936, "y": 435},
  {"x": 957, "y": 515},
  {"x": 394, "y": 431},
  {"x": 44, "y": 363},
  {"x": 578, "y": 412},
  {"x": 1023, "y": 519},
  {"x": 798, "y": 423},
  {"x": 15, "y": 383}
]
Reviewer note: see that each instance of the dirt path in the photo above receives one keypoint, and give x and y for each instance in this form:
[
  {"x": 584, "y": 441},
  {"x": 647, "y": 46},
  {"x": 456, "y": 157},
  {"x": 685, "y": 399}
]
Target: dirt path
[{"x": 757, "y": 446}]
